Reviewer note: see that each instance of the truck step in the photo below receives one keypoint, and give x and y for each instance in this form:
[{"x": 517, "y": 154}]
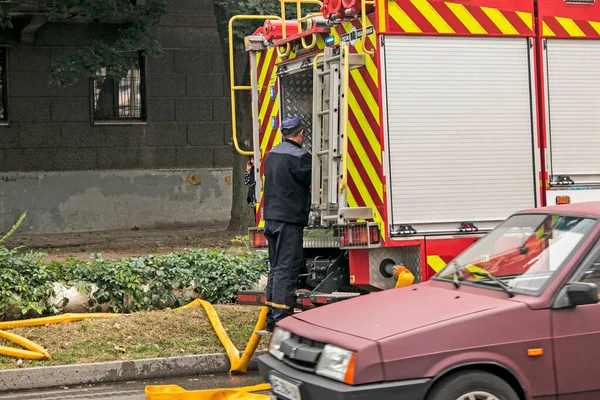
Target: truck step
[{"x": 304, "y": 301}]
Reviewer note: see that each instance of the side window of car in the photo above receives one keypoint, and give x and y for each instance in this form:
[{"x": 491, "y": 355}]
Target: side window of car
[{"x": 592, "y": 273}]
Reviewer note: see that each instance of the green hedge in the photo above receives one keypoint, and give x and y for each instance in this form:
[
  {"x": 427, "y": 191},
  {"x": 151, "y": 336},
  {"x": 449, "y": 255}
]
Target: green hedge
[{"x": 131, "y": 284}]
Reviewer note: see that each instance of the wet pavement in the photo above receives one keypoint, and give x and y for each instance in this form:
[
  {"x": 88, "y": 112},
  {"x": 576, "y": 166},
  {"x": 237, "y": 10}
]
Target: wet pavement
[{"x": 135, "y": 390}]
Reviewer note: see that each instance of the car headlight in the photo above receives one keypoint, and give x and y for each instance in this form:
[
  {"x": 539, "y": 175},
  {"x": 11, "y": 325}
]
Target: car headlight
[
  {"x": 279, "y": 335},
  {"x": 337, "y": 363}
]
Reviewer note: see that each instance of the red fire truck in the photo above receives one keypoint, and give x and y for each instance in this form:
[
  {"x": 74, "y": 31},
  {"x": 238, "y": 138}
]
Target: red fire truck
[{"x": 429, "y": 122}]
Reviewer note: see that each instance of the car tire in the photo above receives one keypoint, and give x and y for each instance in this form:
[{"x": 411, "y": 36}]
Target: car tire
[{"x": 477, "y": 383}]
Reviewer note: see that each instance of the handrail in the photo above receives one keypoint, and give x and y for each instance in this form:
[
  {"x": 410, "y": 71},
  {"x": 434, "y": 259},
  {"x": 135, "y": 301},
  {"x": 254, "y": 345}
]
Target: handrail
[
  {"x": 363, "y": 10},
  {"x": 298, "y": 12},
  {"x": 345, "y": 51},
  {"x": 316, "y": 59},
  {"x": 232, "y": 87},
  {"x": 314, "y": 35}
]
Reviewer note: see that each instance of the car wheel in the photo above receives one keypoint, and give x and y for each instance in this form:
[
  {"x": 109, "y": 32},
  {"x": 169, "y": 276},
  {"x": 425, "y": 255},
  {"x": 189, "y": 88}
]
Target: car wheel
[{"x": 472, "y": 385}]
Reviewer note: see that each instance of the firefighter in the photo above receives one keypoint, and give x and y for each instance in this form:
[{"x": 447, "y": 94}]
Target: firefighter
[{"x": 287, "y": 174}]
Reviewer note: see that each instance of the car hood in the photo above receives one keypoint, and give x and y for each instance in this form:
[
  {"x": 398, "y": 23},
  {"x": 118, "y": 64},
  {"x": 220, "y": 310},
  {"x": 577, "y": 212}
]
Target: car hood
[{"x": 380, "y": 315}]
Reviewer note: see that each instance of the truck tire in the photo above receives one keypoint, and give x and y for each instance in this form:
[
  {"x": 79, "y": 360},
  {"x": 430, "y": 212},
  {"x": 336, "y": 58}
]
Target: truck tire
[{"x": 472, "y": 385}]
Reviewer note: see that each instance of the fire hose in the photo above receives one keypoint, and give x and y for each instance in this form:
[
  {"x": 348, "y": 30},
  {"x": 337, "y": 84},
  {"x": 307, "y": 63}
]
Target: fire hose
[{"x": 171, "y": 392}]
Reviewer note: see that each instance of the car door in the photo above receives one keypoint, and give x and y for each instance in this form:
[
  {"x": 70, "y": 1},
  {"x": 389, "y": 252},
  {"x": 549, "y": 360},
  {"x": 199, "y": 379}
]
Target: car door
[{"x": 577, "y": 339}]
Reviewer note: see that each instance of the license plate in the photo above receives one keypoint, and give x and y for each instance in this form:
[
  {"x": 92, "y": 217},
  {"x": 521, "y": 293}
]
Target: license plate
[{"x": 284, "y": 388}]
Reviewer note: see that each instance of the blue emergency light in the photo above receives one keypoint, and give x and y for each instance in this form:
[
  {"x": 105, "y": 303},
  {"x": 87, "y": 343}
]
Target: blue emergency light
[
  {"x": 272, "y": 92},
  {"x": 329, "y": 40},
  {"x": 274, "y": 123}
]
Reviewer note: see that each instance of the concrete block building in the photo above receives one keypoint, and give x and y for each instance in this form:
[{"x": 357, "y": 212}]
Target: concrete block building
[{"x": 150, "y": 150}]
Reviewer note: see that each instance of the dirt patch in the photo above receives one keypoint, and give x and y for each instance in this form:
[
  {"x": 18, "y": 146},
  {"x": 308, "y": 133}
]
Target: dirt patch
[{"x": 120, "y": 244}]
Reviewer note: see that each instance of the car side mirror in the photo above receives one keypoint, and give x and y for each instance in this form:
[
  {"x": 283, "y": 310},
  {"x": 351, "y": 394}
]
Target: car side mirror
[{"x": 582, "y": 293}]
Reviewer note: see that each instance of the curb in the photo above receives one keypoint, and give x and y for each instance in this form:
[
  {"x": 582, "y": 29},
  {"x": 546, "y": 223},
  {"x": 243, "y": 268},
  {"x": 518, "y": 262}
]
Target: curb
[{"x": 116, "y": 371}]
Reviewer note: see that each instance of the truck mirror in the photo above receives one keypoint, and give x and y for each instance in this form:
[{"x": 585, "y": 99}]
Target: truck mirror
[{"x": 581, "y": 293}]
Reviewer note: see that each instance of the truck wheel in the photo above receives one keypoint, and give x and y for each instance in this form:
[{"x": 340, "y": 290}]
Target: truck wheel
[{"x": 472, "y": 385}]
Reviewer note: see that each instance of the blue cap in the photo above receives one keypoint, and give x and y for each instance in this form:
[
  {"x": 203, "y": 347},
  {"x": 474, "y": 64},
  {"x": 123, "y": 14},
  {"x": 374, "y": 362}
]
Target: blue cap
[{"x": 291, "y": 124}]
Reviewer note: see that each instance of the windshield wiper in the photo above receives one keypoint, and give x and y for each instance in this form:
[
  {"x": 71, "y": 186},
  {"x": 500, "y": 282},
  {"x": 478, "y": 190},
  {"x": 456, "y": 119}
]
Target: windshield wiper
[
  {"x": 500, "y": 283},
  {"x": 455, "y": 276}
]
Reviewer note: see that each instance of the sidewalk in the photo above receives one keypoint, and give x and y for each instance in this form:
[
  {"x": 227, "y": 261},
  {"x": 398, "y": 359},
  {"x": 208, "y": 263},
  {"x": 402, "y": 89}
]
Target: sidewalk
[{"x": 115, "y": 371}]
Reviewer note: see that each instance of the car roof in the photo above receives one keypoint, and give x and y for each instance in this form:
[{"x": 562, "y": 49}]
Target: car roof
[{"x": 591, "y": 208}]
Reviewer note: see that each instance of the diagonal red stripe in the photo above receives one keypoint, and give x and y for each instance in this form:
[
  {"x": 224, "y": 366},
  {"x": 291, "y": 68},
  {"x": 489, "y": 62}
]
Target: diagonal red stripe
[
  {"x": 261, "y": 60},
  {"x": 363, "y": 106},
  {"x": 363, "y": 174},
  {"x": 365, "y": 143},
  {"x": 355, "y": 193},
  {"x": 587, "y": 29},
  {"x": 260, "y": 211},
  {"x": 393, "y": 26},
  {"x": 264, "y": 95},
  {"x": 556, "y": 27},
  {"x": 416, "y": 16},
  {"x": 485, "y": 22},
  {"x": 517, "y": 22},
  {"x": 450, "y": 18}
]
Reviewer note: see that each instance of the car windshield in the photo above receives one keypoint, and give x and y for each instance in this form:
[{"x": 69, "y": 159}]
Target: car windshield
[{"x": 521, "y": 255}]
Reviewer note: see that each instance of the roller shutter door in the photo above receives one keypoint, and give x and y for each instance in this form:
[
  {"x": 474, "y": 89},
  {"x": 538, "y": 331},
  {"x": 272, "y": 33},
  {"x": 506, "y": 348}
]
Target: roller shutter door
[{"x": 459, "y": 128}]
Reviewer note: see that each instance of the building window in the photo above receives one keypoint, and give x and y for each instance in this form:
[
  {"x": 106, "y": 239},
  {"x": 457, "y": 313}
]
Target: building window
[
  {"x": 3, "y": 86},
  {"x": 123, "y": 99}
]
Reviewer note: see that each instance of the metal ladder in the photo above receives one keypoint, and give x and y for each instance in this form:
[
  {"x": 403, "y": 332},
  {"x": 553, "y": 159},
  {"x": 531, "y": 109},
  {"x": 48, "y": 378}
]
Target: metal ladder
[{"x": 328, "y": 133}]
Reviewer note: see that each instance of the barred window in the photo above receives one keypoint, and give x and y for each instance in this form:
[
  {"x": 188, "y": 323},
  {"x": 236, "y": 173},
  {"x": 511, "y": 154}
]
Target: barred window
[
  {"x": 123, "y": 99},
  {"x": 3, "y": 86}
]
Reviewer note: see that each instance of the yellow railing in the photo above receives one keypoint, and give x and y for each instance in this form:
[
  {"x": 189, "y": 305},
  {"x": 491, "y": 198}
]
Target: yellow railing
[
  {"x": 314, "y": 35},
  {"x": 300, "y": 19},
  {"x": 233, "y": 87},
  {"x": 363, "y": 11},
  {"x": 345, "y": 51}
]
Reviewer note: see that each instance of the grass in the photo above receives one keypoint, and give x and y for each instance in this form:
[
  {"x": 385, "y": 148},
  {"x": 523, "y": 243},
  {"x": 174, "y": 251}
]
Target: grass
[{"x": 137, "y": 336}]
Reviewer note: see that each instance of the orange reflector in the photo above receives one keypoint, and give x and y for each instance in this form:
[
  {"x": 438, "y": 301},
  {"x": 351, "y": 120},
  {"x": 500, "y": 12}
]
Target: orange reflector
[
  {"x": 563, "y": 200},
  {"x": 535, "y": 352},
  {"x": 349, "y": 377}
]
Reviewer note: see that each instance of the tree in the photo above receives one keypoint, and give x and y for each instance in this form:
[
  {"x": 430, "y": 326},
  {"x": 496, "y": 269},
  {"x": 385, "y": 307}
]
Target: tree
[{"x": 135, "y": 35}]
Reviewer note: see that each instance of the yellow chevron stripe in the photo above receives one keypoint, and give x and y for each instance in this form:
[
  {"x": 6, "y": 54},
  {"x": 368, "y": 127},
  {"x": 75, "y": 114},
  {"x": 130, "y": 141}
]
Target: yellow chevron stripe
[
  {"x": 435, "y": 19},
  {"x": 436, "y": 263},
  {"x": 366, "y": 128},
  {"x": 263, "y": 74},
  {"x": 371, "y": 69},
  {"x": 402, "y": 19},
  {"x": 269, "y": 131},
  {"x": 546, "y": 31},
  {"x": 570, "y": 26},
  {"x": 263, "y": 83},
  {"x": 500, "y": 21},
  {"x": 466, "y": 18},
  {"x": 364, "y": 159},
  {"x": 367, "y": 94},
  {"x": 350, "y": 199},
  {"x": 527, "y": 18},
  {"x": 320, "y": 42},
  {"x": 362, "y": 190},
  {"x": 595, "y": 25},
  {"x": 382, "y": 17}
]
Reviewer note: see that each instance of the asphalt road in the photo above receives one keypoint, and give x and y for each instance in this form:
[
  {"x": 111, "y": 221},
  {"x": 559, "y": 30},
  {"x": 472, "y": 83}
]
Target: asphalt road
[{"x": 135, "y": 390}]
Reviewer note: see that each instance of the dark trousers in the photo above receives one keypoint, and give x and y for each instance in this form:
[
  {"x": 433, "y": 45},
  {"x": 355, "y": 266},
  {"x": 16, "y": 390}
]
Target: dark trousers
[{"x": 285, "y": 257}]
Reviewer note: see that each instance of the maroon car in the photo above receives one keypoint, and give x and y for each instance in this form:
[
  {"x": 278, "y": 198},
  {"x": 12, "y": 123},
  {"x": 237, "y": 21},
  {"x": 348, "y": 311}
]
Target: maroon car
[{"x": 515, "y": 316}]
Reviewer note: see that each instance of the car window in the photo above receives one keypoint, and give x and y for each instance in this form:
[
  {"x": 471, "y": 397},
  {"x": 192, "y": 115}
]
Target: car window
[
  {"x": 592, "y": 273},
  {"x": 522, "y": 254}
]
